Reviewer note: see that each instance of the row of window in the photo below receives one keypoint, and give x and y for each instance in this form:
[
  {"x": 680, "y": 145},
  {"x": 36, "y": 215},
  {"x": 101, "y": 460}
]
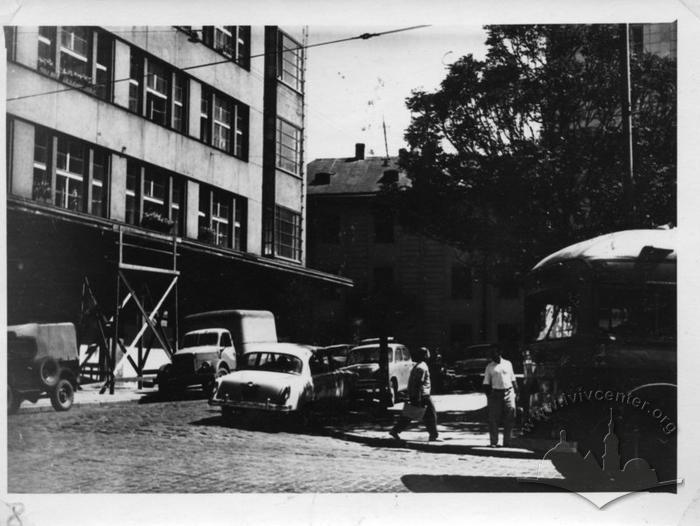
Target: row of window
[
  {"x": 83, "y": 57},
  {"x": 75, "y": 175}
]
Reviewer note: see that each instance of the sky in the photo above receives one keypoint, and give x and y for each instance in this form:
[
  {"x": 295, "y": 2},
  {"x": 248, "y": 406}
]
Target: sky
[{"x": 351, "y": 87}]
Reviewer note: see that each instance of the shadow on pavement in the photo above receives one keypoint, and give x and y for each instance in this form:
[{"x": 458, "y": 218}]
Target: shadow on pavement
[
  {"x": 157, "y": 397},
  {"x": 464, "y": 484}
]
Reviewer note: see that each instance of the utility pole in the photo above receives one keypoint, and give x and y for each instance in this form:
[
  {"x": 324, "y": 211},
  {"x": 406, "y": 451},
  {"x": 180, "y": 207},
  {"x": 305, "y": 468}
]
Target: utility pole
[{"x": 626, "y": 104}]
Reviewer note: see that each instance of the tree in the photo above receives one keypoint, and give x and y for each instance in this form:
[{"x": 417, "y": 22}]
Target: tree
[{"x": 522, "y": 153}]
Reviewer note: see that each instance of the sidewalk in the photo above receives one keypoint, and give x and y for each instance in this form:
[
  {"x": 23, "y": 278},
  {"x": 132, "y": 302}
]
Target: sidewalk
[
  {"x": 462, "y": 425},
  {"x": 124, "y": 392}
]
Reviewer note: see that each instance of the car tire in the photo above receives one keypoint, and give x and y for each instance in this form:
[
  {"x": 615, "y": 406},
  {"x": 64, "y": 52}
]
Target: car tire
[
  {"x": 62, "y": 395},
  {"x": 392, "y": 395},
  {"x": 305, "y": 418},
  {"x": 13, "y": 401},
  {"x": 48, "y": 370}
]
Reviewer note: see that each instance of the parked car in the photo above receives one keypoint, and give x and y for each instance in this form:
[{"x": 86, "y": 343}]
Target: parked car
[
  {"x": 468, "y": 373},
  {"x": 372, "y": 385},
  {"x": 42, "y": 358},
  {"x": 283, "y": 378},
  {"x": 205, "y": 354},
  {"x": 338, "y": 354}
]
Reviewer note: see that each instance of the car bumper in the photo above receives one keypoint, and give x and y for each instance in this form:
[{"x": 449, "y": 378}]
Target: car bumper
[
  {"x": 190, "y": 379},
  {"x": 255, "y": 406}
]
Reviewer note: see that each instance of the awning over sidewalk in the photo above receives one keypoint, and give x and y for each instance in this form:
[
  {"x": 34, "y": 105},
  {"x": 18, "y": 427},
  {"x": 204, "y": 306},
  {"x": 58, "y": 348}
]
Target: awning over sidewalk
[{"x": 67, "y": 216}]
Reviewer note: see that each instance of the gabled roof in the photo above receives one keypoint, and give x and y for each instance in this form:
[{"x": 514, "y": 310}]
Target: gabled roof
[{"x": 347, "y": 176}]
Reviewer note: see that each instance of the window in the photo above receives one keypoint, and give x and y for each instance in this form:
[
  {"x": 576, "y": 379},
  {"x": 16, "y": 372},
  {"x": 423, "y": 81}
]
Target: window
[
  {"x": 226, "y": 340},
  {"x": 154, "y": 198},
  {"x": 78, "y": 181},
  {"x": 383, "y": 226},
  {"x": 79, "y": 55},
  {"x": 11, "y": 41},
  {"x": 288, "y": 233},
  {"x": 224, "y": 123},
  {"x": 290, "y": 62},
  {"x": 157, "y": 92},
  {"x": 231, "y": 41},
  {"x": 288, "y": 147},
  {"x": 383, "y": 279},
  {"x": 461, "y": 282},
  {"x": 221, "y": 218}
]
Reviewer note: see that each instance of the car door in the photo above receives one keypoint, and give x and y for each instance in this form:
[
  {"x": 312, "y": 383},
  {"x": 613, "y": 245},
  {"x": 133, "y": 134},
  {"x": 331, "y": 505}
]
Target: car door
[{"x": 228, "y": 351}]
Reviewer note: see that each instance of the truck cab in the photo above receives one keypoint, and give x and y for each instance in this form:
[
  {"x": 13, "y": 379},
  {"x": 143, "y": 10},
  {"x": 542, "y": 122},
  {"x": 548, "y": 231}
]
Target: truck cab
[{"x": 204, "y": 355}]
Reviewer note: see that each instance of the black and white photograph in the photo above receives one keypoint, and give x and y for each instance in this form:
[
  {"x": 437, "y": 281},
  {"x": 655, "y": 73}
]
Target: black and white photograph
[{"x": 347, "y": 263}]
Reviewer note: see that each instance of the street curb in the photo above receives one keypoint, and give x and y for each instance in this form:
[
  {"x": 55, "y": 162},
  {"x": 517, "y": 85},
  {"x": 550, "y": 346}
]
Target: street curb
[
  {"x": 48, "y": 408},
  {"x": 435, "y": 447}
]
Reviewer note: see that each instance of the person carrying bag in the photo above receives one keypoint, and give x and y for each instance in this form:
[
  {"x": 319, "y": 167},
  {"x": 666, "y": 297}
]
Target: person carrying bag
[{"x": 420, "y": 406}]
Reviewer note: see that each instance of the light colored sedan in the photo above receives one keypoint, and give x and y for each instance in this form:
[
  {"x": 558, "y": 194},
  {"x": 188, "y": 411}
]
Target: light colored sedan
[{"x": 283, "y": 378}]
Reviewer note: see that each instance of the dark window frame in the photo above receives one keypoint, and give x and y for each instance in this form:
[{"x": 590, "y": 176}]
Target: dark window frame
[
  {"x": 143, "y": 96},
  {"x": 296, "y": 160},
  {"x": 174, "y": 198},
  {"x": 59, "y": 167},
  {"x": 239, "y": 53},
  {"x": 288, "y": 250},
  {"x": 287, "y": 46},
  {"x": 238, "y": 125},
  {"x": 55, "y": 53},
  {"x": 236, "y": 218}
]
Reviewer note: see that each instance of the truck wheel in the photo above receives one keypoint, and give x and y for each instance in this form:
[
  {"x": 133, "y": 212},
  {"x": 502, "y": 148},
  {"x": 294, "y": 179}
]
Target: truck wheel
[
  {"x": 13, "y": 401},
  {"x": 62, "y": 395},
  {"x": 48, "y": 370}
]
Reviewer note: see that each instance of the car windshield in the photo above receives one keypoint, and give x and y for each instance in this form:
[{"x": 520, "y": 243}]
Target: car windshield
[
  {"x": 483, "y": 352},
  {"x": 272, "y": 361},
  {"x": 363, "y": 355},
  {"x": 195, "y": 339}
]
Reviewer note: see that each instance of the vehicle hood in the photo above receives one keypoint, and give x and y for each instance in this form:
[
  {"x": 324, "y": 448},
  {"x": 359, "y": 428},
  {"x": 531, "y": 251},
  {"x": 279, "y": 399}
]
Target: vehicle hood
[
  {"x": 472, "y": 364},
  {"x": 201, "y": 353},
  {"x": 363, "y": 370}
]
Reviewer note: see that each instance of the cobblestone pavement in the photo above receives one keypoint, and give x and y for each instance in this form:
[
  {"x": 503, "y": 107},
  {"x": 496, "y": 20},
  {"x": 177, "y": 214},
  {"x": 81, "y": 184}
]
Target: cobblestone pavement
[{"x": 187, "y": 447}]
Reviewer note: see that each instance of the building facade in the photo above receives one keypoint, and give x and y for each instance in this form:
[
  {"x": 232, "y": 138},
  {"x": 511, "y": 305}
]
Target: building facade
[
  {"x": 192, "y": 132},
  {"x": 426, "y": 291}
]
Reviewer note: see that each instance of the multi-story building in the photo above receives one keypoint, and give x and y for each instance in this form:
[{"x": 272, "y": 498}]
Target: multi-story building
[
  {"x": 427, "y": 291},
  {"x": 193, "y": 131}
]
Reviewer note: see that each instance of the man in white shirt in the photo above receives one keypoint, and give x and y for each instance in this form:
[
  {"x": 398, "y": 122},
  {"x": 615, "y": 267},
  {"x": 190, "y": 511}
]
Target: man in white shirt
[{"x": 501, "y": 389}]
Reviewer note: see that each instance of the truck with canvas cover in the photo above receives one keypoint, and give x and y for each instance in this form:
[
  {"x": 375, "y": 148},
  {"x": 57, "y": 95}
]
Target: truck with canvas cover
[{"x": 42, "y": 358}]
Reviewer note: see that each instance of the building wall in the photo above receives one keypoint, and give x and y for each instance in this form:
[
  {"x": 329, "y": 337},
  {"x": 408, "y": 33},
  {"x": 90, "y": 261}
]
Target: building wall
[
  {"x": 422, "y": 270},
  {"x": 126, "y": 135}
]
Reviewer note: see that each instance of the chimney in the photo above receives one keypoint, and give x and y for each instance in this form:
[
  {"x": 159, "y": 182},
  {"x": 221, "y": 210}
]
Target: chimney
[{"x": 359, "y": 151}]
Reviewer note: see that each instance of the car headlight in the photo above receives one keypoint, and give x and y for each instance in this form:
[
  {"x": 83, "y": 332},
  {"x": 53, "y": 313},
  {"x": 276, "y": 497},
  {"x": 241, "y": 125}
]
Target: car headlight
[{"x": 284, "y": 394}]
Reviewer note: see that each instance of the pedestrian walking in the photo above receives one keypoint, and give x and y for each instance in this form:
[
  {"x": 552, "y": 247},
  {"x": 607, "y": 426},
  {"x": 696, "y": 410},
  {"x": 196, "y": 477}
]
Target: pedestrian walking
[
  {"x": 501, "y": 390},
  {"x": 419, "y": 396}
]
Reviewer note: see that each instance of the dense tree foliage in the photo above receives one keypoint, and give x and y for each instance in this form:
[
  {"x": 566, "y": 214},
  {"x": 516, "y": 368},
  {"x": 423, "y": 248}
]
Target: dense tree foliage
[{"x": 522, "y": 153}]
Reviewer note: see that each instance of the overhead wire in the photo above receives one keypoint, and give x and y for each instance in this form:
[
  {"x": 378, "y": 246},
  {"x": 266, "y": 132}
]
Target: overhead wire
[{"x": 363, "y": 36}]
